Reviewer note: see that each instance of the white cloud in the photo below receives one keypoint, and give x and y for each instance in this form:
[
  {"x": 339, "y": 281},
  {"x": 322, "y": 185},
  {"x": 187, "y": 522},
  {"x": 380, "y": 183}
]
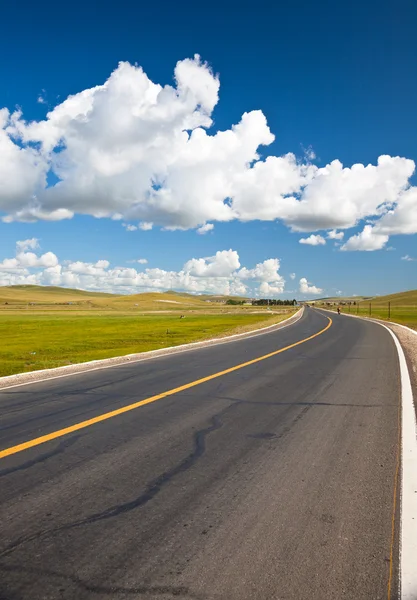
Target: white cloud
[
  {"x": 205, "y": 228},
  {"x": 270, "y": 290},
  {"x": 307, "y": 288},
  {"x": 145, "y": 225},
  {"x": 52, "y": 275},
  {"x": 27, "y": 260},
  {"x": 368, "y": 239},
  {"x": 339, "y": 293},
  {"x": 292, "y": 275},
  {"x": 134, "y": 149},
  {"x": 223, "y": 264},
  {"x": 309, "y": 153},
  {"x": 82, "y": 268},
  {"x": 401, "y": 218},
  {"x": 218, "y": 274},
  {"x": 313, "y": 240},
  {"x": 31, "y": 244},
  {"x": 335, "y": 235},
  {"x": 265, "y": 272},
  {"x": 338, "y": 197},
  {"x": 408, "y": 258},
  {"x": 129, "y": 227}
]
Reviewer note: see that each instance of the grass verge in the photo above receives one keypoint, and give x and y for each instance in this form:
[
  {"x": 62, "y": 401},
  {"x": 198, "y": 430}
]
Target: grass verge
[{"x": 35, "y": 341}]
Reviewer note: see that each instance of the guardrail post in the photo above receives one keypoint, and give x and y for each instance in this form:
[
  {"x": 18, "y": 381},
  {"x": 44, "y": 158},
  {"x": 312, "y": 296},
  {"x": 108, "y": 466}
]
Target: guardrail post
[
  {"x": 389, "y": 310},
  {"x": 370, "y": 309}
]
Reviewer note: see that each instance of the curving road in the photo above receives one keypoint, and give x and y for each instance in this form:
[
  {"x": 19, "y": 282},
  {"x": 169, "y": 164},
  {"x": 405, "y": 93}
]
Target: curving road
[{"x": 275, "y": 480}]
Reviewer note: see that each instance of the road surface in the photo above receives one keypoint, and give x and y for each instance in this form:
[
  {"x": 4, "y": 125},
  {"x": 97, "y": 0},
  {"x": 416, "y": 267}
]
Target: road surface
[{"x": 275, "y": 480}]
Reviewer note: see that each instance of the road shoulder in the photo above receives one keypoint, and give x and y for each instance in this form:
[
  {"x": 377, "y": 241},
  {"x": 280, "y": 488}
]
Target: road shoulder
[{"x": 408, "y": 341}]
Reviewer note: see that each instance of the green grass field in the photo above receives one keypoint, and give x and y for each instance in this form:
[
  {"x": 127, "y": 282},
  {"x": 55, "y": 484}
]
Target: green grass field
[
  {"x": 406, "y": 315},
  {"x": 44, "y": 327},
  {"x": 399, "y": 308},
  {"x": 41, "y": 341}
]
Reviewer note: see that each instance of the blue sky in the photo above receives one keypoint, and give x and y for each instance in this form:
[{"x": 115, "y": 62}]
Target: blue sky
[{"x": 335, "y": 81}]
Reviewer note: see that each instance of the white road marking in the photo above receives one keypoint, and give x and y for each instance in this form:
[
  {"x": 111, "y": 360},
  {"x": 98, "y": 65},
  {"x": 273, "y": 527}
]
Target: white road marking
[
  {"x": 408, "y": 533},
  {"x": 408, "y": 500}
]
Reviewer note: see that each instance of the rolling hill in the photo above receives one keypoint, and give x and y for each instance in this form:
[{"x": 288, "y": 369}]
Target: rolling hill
[
  {"x": 408, "y": 298},
  {"x": 51, "y": 296}
]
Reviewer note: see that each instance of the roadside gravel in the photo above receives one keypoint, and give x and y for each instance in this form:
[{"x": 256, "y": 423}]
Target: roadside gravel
[{"x": 408, "y": 340}]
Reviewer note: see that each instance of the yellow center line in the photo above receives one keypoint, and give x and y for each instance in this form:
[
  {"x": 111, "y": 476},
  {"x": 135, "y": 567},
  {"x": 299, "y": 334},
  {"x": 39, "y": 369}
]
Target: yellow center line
[{"x": 119, "y": 411}]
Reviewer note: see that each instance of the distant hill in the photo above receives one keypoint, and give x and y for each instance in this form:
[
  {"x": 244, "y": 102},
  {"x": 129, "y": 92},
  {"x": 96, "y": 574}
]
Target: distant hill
[
  {"x": 19, "y": 295},
  {"x": 208, "y": 297},
  {"x": 408, "y": 298},
  {"x": 25, "y": 294},
  {"x": 341, "y": 299}
]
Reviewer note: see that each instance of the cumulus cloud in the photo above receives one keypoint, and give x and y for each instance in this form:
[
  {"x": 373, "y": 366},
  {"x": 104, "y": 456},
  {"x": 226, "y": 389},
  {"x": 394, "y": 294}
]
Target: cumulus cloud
[
  {"x": 129, "y": 227},
  {"x": 401, "y": 218},
  {"x": 313, "y": 240},
  {"x": 368, "y": 239},
  {"x": 292, "y": 275},
  {"x": 223, "y": 264},
  {"x": 218, "y": 274},
  {"x": 270, "y": 290},
  {"x": 205, "y": 228},
  {"x": 307, "y": 288},
  {"x": 134, "y": 149},
  {"x": 335, "y": 235},
  {"x": 25, "y": 260},
  {"x": 266, "y": 272}
]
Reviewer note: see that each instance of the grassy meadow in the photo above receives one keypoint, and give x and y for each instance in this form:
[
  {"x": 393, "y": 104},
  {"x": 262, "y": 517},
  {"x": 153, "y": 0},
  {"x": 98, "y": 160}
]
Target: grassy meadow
[
  {"x": 400, "y": 308},
  {"x": 40, "y": 330}
]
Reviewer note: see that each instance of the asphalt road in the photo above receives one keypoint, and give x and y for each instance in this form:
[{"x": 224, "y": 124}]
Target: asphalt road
[{"x": 273, "y": 481}]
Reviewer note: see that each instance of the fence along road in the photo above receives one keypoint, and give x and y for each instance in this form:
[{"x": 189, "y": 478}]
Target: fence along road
[{"x": 405, "y": 314}]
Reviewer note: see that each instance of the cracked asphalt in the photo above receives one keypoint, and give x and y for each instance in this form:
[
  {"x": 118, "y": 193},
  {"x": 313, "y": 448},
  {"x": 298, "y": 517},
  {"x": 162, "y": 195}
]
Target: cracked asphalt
[{"x": 274, "y": 481}]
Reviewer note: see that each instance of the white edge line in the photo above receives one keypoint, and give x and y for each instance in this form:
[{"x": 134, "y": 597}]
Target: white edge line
[
  {"x": 152, "y": 354},
  {"x": 408, "y": 510},
  {"x": 408, "y": 495}
]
